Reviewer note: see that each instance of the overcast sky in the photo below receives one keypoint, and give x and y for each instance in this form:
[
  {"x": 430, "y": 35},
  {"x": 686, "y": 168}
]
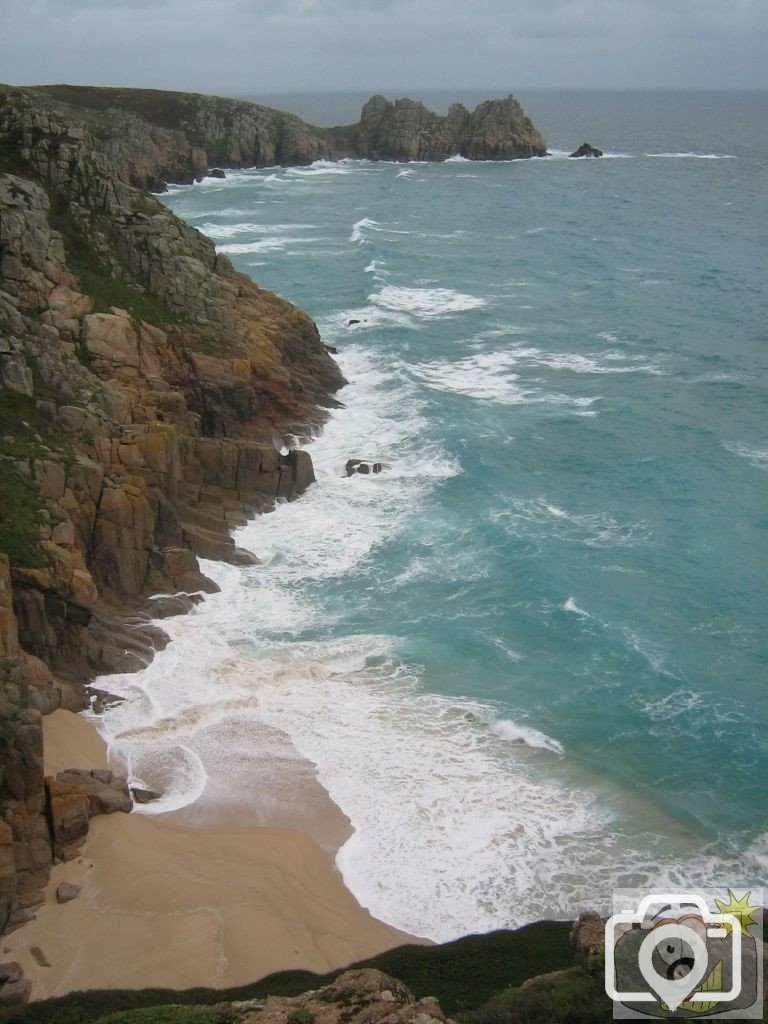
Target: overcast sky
[{"x": 261, "y": 46}]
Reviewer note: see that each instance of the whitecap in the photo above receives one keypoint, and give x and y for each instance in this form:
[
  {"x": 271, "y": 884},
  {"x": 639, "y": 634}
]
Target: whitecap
[
  {"x": 571, "y": 606},
  {"x": 515, "y": 733},
  {"x": 757, "y": 457},
  {"x": 360, "y": 227},
  {"x": 693, "y": 156},
  {"x": 526, "y": 517},
  {"x": 488, "y": 376},
  {"x": 425, "y": 302},
  {"x": 215, "y": 231},
  {"x": 274, "y": 243}
]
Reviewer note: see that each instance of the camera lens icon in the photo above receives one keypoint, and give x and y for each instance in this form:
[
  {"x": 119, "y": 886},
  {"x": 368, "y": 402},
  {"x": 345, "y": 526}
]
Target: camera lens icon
[
  {"x": 673, "y": 961},
  {"x": 670, "y": 956}
]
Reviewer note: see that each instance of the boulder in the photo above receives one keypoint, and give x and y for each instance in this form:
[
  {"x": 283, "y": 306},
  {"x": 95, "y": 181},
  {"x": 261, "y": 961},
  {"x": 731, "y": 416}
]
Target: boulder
[
  {"x": 15, "y": 993},
  {"x": 66, "y": 892},
  {"x": 68, "y": 812},
  {"x": 144, "y": 796},
  {"x": 217, "y": 172},
  {"x": 587, "y": 149},
  {"x": 588, "y": 933},
  {"x": 10, "y": 971},
  {"x": 106, "y": 793}
]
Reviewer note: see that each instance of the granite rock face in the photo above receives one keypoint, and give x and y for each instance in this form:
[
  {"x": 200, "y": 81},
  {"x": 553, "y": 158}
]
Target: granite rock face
[
  {"x": 144, "y": 385},
  {"x": 407, "y": 130},
  {"x": 159, "y": 137},
  {"x": 364, "y": 996}
]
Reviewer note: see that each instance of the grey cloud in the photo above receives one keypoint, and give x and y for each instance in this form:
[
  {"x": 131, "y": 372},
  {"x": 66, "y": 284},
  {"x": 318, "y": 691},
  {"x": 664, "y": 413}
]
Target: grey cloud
[{"x": 300, "y": 45}]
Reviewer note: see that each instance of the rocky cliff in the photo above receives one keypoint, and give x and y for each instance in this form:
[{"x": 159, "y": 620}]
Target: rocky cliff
[
  {"x": 143, "y": 383},
  {"x": 143, "y": 386},
  {"x": 407, "y": 130},
  {"x": 157, "y": 137}
]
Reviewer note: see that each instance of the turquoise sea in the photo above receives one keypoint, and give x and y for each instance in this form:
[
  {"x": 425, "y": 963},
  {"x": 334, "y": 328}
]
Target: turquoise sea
[{"x": 529, "y": 660}]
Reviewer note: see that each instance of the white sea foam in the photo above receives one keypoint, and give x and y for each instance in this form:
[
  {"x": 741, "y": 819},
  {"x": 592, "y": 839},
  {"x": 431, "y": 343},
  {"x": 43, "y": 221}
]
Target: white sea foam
[
  {"x": 680, "y": 702},
  {"x": 515, "y": 733},
  {"x": 336, "y": 325},
  {"x": 457, "y": 158},
  {"x": 526, "y": 517},
  {"x": 425, "y": 302},
  {"x": 488, "y": 376},
  {"x": 216, "y": 231},
  {"x": 694, "y": 156},
  {"x": 455, "y": 829},
  {"x": 273, "y": 243},
  {"x": 320, "y": 168},
  {"x": 758, "y": 457},
  {"x": 571, "y": 606},
  {"x": 361, "y": 228},
  {"x": 564, "y": 154}
]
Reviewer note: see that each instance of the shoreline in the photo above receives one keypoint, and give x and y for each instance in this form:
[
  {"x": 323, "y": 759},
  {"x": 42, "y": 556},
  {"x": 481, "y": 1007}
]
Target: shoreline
[{"x": 178, "y": 906}]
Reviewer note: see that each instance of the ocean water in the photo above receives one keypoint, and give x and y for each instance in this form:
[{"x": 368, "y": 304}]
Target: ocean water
[{"x": 529, "y": 659}]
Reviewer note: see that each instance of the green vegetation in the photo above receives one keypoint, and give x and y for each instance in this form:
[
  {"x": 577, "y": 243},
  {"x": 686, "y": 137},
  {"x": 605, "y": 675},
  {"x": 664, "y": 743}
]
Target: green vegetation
[
  {"x": 21, "y": 427},
  {"x": 167, "y": 1015},
  {"x": 19, "y": 518},
  {"x": 95, "y": 279},
  {"x": 574, "y": 998},
  {"x": 301, "y": 1017},
  {"x": 107, "y": 291},
  {"x": 464, "y": 975}
]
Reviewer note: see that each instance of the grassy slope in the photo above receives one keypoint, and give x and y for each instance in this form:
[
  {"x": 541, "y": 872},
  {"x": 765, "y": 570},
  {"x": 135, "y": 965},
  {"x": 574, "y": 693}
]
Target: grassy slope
[{"x": 463, "y": 975}]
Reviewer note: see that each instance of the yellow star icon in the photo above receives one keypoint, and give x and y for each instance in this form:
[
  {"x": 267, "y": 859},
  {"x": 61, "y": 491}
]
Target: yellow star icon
[{"x": 739, "y": 908}]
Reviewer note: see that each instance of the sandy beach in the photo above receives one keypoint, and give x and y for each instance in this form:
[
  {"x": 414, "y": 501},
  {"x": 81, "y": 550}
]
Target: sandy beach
[{"x": 177, "y": 906}]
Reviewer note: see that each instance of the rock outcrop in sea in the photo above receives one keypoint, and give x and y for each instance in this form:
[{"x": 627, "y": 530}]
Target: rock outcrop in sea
[
  {"x": 586, "y": 149},
  {"x": 407, "y": 130},
  {"x": 143, "y": 383}
]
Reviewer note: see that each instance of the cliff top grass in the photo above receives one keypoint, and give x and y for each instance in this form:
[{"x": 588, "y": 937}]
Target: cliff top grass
[
  {"x": 160, "y": 107},
  {"x": 463, "y": 975}
]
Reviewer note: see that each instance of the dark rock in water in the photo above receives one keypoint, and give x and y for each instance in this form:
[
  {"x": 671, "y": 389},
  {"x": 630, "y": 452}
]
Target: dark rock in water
[
  {"x": 353, "y": 322},
  {"x": 144, "y": 796},
  {"x": 332, "y": 349},
  {"x": 587, "y": 149},
  {"x": 217, "y": 172},
  {"x": 360, "y": 466},
  {"x": 174, "y": 604}
]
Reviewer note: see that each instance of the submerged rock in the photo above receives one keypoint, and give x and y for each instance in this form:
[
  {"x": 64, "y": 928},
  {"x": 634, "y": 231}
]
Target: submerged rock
[{"x": 586, "y": 149}]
